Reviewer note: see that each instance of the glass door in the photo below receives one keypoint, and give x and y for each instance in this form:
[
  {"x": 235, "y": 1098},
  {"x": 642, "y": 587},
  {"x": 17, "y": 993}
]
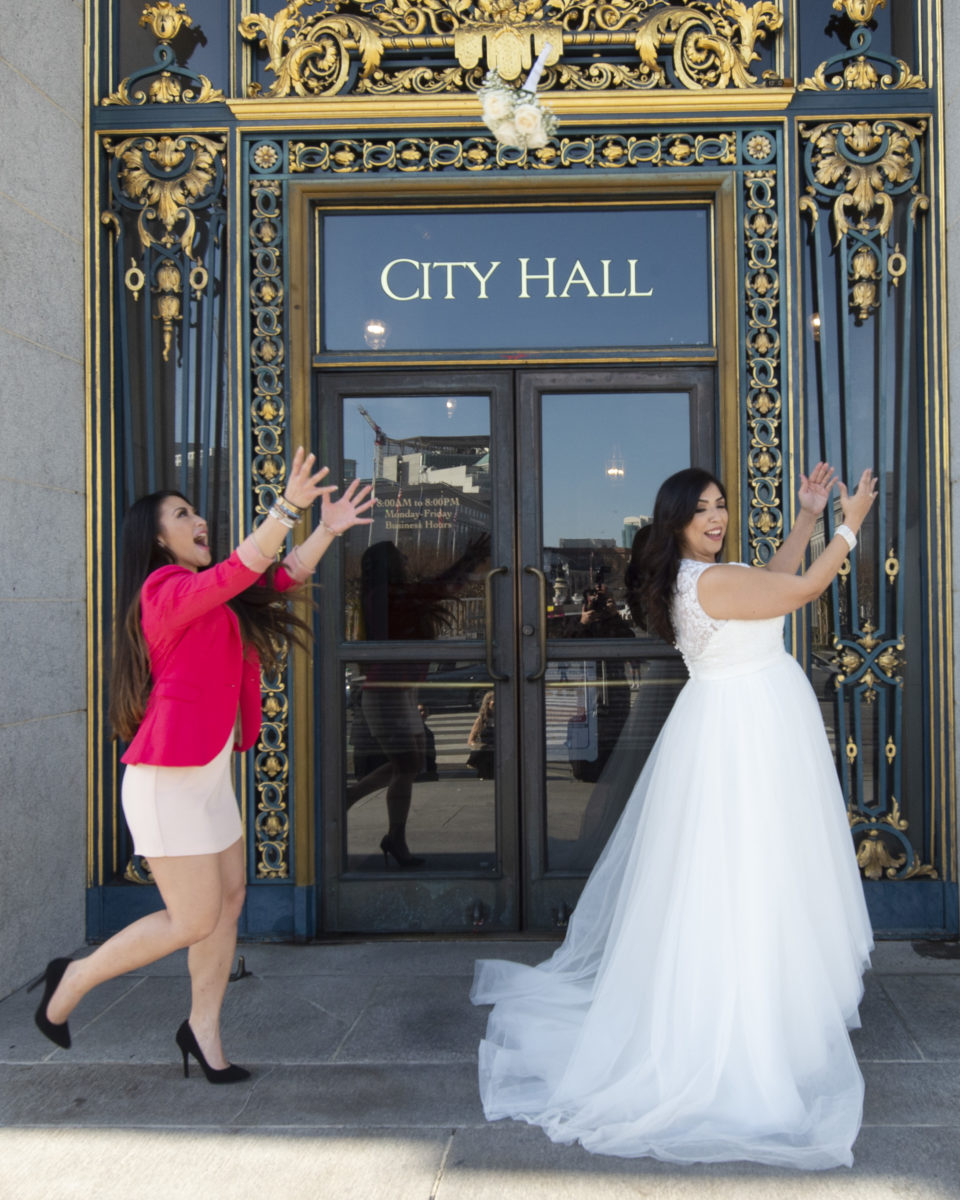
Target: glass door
[
  {"x": 593, "y": 687},
  {"x": 419, "y": 829},
  {"x": 484, "y": 697}
]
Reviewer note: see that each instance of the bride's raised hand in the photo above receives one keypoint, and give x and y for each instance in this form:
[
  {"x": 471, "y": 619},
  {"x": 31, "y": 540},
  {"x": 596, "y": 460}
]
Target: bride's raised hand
[
  {"x": 855, "y": 506},
  {"x": 816, "y": 487},
  {"x": 340, "y": 515}
]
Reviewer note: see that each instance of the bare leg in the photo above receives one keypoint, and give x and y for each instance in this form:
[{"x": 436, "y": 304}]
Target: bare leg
[
  {"x": 210, "y": 959},
  {"x": 378, "y": 778},
  {"x": 406, "y": 767},
  {"x": 192, "y": 890}
]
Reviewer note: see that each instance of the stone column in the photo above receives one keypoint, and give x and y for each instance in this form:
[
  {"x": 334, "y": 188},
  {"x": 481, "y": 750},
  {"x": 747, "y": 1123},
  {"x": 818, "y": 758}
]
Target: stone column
[{"x": 43, "y": 695}]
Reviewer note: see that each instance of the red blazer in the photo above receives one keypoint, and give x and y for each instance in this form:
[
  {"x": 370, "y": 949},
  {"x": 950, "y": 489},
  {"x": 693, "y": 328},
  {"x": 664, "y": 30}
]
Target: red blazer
[{"x": 199, "y": 670}]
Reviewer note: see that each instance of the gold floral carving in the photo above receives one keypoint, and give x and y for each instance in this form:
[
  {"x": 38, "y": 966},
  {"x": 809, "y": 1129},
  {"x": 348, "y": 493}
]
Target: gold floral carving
[
  {"x": 711, "y": 43},
  {"x": 163, "y": 177},
  {"x": 864, "y": 175},
  {"x": 165, "y": 21},
  {"x": 851, "y": 71},
  {"x": 765, "y": 460},
  {"x": 172, "y": 84},
  {"x": 874, "y": 856},
  {"x": 859, "y": 167},
  {"x": 862, "y": 75},
  {"x": 167, "y": 200},
  {"x": 850, "y": 657},
  {"x": 859, "y": 11}
]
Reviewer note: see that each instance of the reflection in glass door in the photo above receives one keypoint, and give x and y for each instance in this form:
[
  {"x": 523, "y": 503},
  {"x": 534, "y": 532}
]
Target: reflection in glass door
[
  {"x": 419, "y": 799},
  {"x": 597, "y": 688},
  {"x": 416, "y": 575},
  {"x": 486, "y": 699}
]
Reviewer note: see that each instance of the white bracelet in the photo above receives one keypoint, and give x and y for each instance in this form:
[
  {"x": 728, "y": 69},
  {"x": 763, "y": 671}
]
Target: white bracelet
[
  {"x": 332, "y": 532},
  {"x": 847, "y": 534}
]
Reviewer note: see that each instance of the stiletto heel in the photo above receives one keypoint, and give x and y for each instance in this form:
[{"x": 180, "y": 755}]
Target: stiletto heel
[
  {"x": 186, "y": 1040},
  {"x": 59, "y": 1034},
  {"x": 404, "y": 859}
]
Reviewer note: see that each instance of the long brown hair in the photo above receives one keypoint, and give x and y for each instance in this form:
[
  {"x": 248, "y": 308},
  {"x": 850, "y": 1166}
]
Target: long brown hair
[
  {"x": 266, "y": 620},
  {"x": 657, "y": 549}
]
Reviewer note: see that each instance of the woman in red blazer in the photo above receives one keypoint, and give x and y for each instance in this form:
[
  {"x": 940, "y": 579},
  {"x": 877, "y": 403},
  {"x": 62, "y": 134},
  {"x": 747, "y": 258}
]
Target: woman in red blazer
[{"x": 191, "y": 640}]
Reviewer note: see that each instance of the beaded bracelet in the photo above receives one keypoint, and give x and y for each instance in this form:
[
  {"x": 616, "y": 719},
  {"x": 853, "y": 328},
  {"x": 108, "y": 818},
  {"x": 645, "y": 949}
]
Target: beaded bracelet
[
  {"x": 288, "y": 510},
  {"x": 279, "y": 515}
]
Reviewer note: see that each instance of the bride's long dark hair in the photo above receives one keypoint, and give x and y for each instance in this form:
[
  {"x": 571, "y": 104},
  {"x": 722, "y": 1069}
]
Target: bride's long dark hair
[
  {"x": 266, "y": 620},
  {"x": 655, "y": 558}
]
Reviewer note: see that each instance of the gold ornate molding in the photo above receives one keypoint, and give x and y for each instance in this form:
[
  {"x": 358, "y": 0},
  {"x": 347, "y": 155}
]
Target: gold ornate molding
[
  {"x": 859, "y": 167},
  {"x": 855, "y": 69},
  {"x": 697, "y": 45},
  {"x": 171, "y": 83},
  {"x": 874, "y": 856},
  {"x": 165, "y": 180}
]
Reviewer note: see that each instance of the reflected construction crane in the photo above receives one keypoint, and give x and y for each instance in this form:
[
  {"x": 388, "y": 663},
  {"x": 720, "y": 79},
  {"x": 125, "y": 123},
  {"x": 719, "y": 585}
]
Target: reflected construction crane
[{"x": 384, "y": 444}]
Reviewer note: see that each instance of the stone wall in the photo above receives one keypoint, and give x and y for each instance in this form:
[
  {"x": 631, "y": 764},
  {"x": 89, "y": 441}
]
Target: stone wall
[
  {"x": 43, "y": 693},
  {"x": 951, "y": 86}
]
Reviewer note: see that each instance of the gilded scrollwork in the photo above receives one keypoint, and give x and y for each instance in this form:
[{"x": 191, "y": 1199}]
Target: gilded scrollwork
[
  {"x": 859, "y": 168},
  {"x": 165, "y": 82},
  {"x": 271, "y": 772},
  {"x": 883, "y": 848},
  {"x": 349, "y": 156},
  {"x": 167, "y": 181},
  {"x": 865, "y": 174},
  {"x": 690, "y": 44},
  {"x": 762, "y": 354},
  {"x": 856, "y": 68},
  {"x": 268, "y": 423},
  {"x": 867, "y": 661},
  {"x": 862, "y": 165}
]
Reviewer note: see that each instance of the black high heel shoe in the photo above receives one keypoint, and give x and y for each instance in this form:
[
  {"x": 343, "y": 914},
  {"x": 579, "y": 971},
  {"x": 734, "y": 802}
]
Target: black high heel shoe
[
  {"x": 60, "y": 1034},
  {"x": 404, "y": 859},
  {"x": 188, "y": 1044}
]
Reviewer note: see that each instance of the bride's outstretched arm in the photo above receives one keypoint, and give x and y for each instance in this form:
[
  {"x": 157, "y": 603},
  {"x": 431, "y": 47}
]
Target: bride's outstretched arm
[
  {"x": 814, "y": 493},
  {"x": 733, "y": 593}
]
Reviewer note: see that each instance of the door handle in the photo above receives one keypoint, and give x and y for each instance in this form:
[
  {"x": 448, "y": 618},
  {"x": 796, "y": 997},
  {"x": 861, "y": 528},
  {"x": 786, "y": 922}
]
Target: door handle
[
  {"x": 542, "y": 638},
  {"x": 488, "y": 622}
]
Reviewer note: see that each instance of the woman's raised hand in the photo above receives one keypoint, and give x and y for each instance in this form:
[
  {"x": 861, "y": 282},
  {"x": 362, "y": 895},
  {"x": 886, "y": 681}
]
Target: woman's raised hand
[
  {"x": 339, "y": 515},
  {"x": 815, "y": 488},
  {"x": 856, "y": 506},
  {"x": 303, "y": 482}
]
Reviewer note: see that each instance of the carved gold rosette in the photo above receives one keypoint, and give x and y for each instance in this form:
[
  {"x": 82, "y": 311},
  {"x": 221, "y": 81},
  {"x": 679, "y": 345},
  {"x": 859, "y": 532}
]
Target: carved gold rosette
[{"x": 690, "y": 44}]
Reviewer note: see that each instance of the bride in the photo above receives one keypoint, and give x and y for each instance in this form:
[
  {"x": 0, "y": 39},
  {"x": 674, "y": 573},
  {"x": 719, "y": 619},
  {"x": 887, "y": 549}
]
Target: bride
[{"x": 698, "y": 1009}]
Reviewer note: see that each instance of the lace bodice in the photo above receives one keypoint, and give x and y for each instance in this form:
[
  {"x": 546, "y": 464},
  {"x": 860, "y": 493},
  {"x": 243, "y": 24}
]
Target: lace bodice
[{"x": 717, "y": 648}]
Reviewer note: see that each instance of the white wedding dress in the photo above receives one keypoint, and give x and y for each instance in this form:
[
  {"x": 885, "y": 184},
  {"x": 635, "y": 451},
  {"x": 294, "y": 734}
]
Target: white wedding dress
[{"x": 698, "y": 1008}]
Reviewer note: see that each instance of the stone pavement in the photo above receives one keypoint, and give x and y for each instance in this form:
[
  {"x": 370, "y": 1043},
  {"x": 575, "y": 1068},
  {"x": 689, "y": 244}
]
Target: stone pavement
[{"x": 364, "y": 1086}]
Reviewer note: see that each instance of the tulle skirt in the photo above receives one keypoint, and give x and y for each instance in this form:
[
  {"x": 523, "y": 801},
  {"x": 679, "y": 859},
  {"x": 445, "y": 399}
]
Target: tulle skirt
[{"x": 698, "y": 1009}]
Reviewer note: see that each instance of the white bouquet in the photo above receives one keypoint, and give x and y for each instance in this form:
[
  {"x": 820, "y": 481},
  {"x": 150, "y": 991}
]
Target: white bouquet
[{"x": 515, "y": 116}]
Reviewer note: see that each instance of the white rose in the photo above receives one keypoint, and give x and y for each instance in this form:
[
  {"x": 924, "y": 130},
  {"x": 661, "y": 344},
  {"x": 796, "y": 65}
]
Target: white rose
[
  {"x": 527, "y": 119},
  {"x": 537, "y": 141},
  {"x": 506, "y": 133},
  {"x": 496, "y": 107}
]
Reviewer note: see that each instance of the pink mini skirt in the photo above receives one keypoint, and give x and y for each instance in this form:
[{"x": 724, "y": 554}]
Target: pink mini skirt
[{"x": 182, "y": 810}]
